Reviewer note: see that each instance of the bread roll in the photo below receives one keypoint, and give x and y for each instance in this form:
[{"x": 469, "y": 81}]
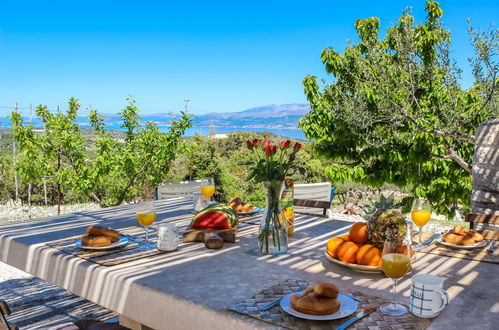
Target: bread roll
[
  {"x": 477, "y": 237},
  {"x": 460, "y": 230},
  {"x": 467, "y": 241},
  {"x": 312, "y": 305},
  {"x": 452, "y": 238},
  {"x": 112, "y": 234},
  {"x": 247, "y": 207},
  {"x": 322, "y": 289},
  {"x": 213, "y": 241},
  {"x": 95, "y": 241},
  {"x": 235, "y": 201}
]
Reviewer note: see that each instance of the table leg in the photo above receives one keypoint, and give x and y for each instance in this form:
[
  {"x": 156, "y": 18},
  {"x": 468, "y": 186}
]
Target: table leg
[{"x": 126, "y": 322}]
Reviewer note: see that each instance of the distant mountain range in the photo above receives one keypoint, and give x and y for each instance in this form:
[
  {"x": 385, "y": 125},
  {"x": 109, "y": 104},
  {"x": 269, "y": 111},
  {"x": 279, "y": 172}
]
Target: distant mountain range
[
  {"x": 274, "y": 115},
  {"x": 268, "y": 116}
]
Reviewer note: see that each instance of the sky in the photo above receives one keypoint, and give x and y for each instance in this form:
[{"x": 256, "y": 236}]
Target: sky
[{"x": 223, "y": 56}]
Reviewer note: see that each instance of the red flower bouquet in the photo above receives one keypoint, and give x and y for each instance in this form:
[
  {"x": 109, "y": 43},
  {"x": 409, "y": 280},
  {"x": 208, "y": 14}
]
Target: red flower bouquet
[{"x": 271, "y": 165}]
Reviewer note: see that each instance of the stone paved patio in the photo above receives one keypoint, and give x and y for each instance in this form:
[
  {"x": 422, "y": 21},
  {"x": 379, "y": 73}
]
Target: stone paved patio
[{"x": 36, "y": 304}]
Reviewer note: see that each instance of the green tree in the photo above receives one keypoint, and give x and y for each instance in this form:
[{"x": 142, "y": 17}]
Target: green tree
[
  {"x": 109, "y": 171},
  {"x": 395, "y": 111},
  {"x": 221, "y": 159}
]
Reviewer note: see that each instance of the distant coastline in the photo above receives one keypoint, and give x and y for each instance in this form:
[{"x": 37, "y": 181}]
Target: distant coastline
[
  {"x": 293, "y": 133},
  {"x": 277, "y": 119}
]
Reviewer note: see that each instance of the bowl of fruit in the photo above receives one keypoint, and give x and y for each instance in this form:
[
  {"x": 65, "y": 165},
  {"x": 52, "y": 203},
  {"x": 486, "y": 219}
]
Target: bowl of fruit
[{"x": 362, "y": 247}]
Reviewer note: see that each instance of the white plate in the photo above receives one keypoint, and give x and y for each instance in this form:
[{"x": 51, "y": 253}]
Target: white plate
[
  {"x": 356, "y": 267},
  {"x": 123, "y": 241},
  {"x": 256, "y": 209},
  {"x": 348, "y": 307},
  {"x": 483, "y": 243}
]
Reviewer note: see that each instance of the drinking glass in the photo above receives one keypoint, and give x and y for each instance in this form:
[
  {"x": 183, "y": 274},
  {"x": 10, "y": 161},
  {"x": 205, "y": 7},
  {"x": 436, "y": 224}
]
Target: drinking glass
[
  {"x": 207, "y": 188},
  {"x": 396, "y": 262},
  {"x": 146, "y": 215},
  {"x": 420, "y": 214}
]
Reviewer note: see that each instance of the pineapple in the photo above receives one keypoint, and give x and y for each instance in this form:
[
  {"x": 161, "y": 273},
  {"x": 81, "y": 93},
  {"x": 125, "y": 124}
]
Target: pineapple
[{"x": 384, "y": 222}]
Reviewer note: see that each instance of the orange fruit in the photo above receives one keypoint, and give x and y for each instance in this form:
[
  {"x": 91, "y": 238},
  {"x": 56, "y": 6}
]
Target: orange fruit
[
  {"x": 346, "y": 237},
  {"x": 368, "y": 255},
  {"x": 347, "y": 252},
  {"x": 332, "y": 246},
  {"x": 288, "y": 213},
  {"x": 358, "y": 232}
]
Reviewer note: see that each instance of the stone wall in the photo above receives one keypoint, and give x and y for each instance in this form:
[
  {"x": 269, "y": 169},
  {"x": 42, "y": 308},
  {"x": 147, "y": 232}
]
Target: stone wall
[{"x": 485, "y": 195}]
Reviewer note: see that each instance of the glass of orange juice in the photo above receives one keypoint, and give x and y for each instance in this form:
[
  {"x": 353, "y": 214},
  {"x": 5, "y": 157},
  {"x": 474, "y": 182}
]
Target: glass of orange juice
[
  {"x": 207, "y": 188},
  {"x": 396, "y": 262},
  {"x": 146, "y": 215},
  {"x": 420, "y": 214}
]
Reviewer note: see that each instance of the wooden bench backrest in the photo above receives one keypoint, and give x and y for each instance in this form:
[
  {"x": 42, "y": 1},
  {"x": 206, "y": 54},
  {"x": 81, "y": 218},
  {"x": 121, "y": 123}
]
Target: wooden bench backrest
[
  {"x": 311, "y": 203},
  {"x": 5, "y": 311},
  {"x": 312, "y": 198},
  {"x": 174, "y": 189},
  {"x": 313, "y": 191},
  {"x": 484, "y": 219}
]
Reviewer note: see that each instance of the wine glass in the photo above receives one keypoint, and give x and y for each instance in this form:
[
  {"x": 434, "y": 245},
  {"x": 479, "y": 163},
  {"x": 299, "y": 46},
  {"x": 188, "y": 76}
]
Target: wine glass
[
  {"x": 207, "y": 188},
  {"x": 420, "y": 214},
  {"x": 146, "y": 215},
  {"x": 396, "y": 262}
]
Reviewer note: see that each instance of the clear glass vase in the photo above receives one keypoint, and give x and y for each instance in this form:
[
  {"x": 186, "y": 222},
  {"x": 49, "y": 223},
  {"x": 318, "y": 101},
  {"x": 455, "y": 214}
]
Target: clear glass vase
[{"x": 273, "y": 234}]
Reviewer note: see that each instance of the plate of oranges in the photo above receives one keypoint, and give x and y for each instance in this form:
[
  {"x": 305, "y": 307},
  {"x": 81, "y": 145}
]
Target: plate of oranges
[{"x": 353, "y": 250}]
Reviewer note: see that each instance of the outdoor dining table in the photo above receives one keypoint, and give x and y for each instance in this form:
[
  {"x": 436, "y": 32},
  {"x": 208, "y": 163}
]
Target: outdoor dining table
[{"x": 192, "y": 287}]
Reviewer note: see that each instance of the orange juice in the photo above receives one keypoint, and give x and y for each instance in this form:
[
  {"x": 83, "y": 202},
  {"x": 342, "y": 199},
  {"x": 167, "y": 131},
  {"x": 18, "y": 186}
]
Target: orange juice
[
  {"x": 395, "y": 265},
  {"x": 287, "y": 204},
  {"x": 146, "y": 218},
  {"x": 420, "y": 217},
  {"x": 207, "y": 192}
]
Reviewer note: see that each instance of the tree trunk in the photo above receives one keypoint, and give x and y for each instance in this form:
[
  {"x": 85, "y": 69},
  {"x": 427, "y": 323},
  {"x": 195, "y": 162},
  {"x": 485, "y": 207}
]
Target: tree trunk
[
  {"x": 58, "y": 183},
  {"x": 29, "y": 200},
  {"x": 45, "y": 192},
  {"x": 14, "y": 152},
  {"x": 98, "y": 200}
]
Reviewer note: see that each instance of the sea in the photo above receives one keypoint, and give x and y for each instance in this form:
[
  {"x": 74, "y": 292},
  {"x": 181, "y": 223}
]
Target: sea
[{"x": 293, "y": 133}]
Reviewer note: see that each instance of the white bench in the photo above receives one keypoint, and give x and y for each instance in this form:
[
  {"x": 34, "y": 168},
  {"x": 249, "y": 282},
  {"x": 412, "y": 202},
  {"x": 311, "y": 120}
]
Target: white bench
[
  {"x": 176, "y": 189},
  {"x": 308, "y": 193}
]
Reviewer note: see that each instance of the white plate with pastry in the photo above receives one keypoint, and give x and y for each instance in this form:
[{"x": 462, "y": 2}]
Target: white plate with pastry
[
  {"x": 256, "y": 209},
  {"x": 480, "y": 244},
  {"x": 348, "y": 306},
  {"x": 121, "y": 242},
  {"x": 462, "y": 238}
]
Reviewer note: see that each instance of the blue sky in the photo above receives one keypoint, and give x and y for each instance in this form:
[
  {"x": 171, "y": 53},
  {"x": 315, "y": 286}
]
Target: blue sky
[{"x": 222, "y": 55}]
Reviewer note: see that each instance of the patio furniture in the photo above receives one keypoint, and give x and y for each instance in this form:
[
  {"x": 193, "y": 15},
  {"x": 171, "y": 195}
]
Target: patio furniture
[
  {"x": 306, "y": 204},
  {"x": 176, "y": 189},
  {"x": 313, "y": 198},
  {"x": 86, "y": 324},
  {"x": 492, "y": 231},
  {"x": 192, "y": 287},
  {"x": 98, "y": 325},
  {"x": 4, "y": 312}
]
